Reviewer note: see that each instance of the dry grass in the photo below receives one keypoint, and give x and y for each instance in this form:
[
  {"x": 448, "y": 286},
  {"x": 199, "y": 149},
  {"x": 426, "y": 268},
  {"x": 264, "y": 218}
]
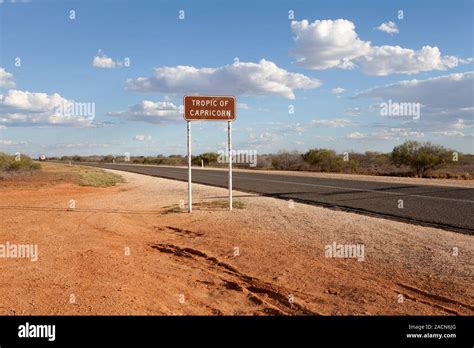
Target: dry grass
[
  {"x": 220, "y": 204},
  {"x": 85, "y": 176},
  {"x": 206, "y": 205}
]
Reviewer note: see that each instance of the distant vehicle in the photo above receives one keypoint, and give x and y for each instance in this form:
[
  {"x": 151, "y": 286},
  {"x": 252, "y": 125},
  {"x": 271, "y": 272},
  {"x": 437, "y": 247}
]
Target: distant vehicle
[{"x": 42, "y": 157}]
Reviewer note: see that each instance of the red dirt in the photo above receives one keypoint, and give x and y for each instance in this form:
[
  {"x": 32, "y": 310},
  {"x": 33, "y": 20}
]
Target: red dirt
[{"x": 183, "y": 264}]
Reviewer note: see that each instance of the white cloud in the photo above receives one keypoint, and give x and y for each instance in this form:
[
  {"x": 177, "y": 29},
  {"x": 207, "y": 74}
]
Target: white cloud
[
  {"x": 329, "y": 43},
  {"x": 356, "y": 135},
  {"x": 456, "y": 134},
  {"x": 387, "y": 134},
  {"x": 336, "y": 123},
  {"x": 449, "y": 93},
  {"x": 297, "y": 127},
  {"x": 386, "y": 60},
  {"x": 338, "y": 90},
  {"x": 6, "y": 79},
  {"x": 460, "y": 124},
  {"x": 388, "y": 27},
  {"x": 82, "y": 145},
  {"x": 102, "y": 61},
  {"x": 262, "y": 78},
  {"x": 14, "y": 1},
  {"x": 355, "y": 111},
  {"x": 23, "y": 108},
  {"x": 300, "y": 128},
  {"x": 24, "y": 100},
  {"x": 12, "y": 143},
  {"x": 466, "y": 61},
  {"x": 446, "y": 101},
  {"x": 242, "y": 106},
  {"x": 142, "y": 137},
  {"x": 151, "y": 112},
  {"x": 263, "y": 139}
]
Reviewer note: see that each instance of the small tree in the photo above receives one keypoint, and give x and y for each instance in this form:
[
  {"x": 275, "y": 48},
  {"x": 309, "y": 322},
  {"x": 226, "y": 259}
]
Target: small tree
[
  {"x": 108, "y": 158},
  {"x": 287, "y": 160},
  {"x": 326, "y": 160},
  {"x": 353, "y": 165},
  {"x": 207, "y": 158},
  {"x": 420, "y": 157},
  {"x": 8, "y": 162}
]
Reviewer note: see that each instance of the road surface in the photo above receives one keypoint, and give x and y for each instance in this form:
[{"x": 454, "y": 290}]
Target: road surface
[{"x": 450, "y": 208}]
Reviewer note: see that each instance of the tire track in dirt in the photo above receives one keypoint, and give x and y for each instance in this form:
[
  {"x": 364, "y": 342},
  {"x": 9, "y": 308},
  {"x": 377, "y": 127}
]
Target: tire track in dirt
[
  {"x": 179, "y": 231},
  {"x": 258, "y": 292},
  {"x": 253, "y": 293},
  {"x": 434, "y": 297}
]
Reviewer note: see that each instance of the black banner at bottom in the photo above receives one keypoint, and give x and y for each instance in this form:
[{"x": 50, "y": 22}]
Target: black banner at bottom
[{"x": 169, "y": 331}]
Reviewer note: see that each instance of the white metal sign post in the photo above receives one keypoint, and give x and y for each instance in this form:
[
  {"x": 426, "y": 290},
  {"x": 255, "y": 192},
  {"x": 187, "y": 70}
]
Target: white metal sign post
[
  {"x": 190, "y": 193},
  {"x": 209, "y": 108},
  {"x": 229, "y": 158}
]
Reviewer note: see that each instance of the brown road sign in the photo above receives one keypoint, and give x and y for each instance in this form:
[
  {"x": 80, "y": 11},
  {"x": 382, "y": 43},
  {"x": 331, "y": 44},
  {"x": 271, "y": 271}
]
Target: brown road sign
[{"x": 209, "y": 108}]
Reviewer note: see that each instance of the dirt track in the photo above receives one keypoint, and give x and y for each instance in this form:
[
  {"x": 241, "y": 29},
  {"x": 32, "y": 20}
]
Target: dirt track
[{"x": 188, "y": 264}]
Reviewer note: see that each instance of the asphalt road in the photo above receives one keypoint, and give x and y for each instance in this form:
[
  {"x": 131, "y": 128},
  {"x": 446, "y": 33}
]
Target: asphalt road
[{"x": 449, "y": 208}]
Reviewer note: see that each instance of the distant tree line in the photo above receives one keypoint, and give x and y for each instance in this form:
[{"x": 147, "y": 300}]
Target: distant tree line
[{"x": 411, "y": 158}]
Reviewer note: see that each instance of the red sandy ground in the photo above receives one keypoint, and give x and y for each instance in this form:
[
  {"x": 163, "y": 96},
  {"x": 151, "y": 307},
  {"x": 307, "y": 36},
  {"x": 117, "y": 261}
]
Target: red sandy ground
[{"x": 184, "y": 264}]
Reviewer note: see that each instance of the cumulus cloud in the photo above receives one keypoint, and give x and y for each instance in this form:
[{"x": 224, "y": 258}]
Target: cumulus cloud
[
  {"x": 262, "y": 78},
  {"x": 151, "y": 112},
  {"x": 329, "y": 43},
  {"x": 388, "y": 27},
  {"x": 6, "y": 79},
  {"x": 386, "y": 60},
  {"x": 102, "y": 61},
  {"x": 338, "y": 90},
  {"x": 23, "y": 108}
]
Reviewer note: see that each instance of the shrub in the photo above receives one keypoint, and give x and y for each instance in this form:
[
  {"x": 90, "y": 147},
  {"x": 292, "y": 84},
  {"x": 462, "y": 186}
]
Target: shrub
[
  {"x": 353, "y": 165},
  {"x": 8, "y": 162},
  {"x": 174, "y": 160},
  {"x": 421, "y": 157},
  {"x": 324, "y": 159},
  {"x": 287, "y": 160},
  {"x": 107, "y": 159},
  {"x": 207, "y": 157}
]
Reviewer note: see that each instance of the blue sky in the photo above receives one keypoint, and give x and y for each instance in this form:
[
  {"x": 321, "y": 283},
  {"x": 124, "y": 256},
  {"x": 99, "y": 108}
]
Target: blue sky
[{"x": 305, "y": 64}]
